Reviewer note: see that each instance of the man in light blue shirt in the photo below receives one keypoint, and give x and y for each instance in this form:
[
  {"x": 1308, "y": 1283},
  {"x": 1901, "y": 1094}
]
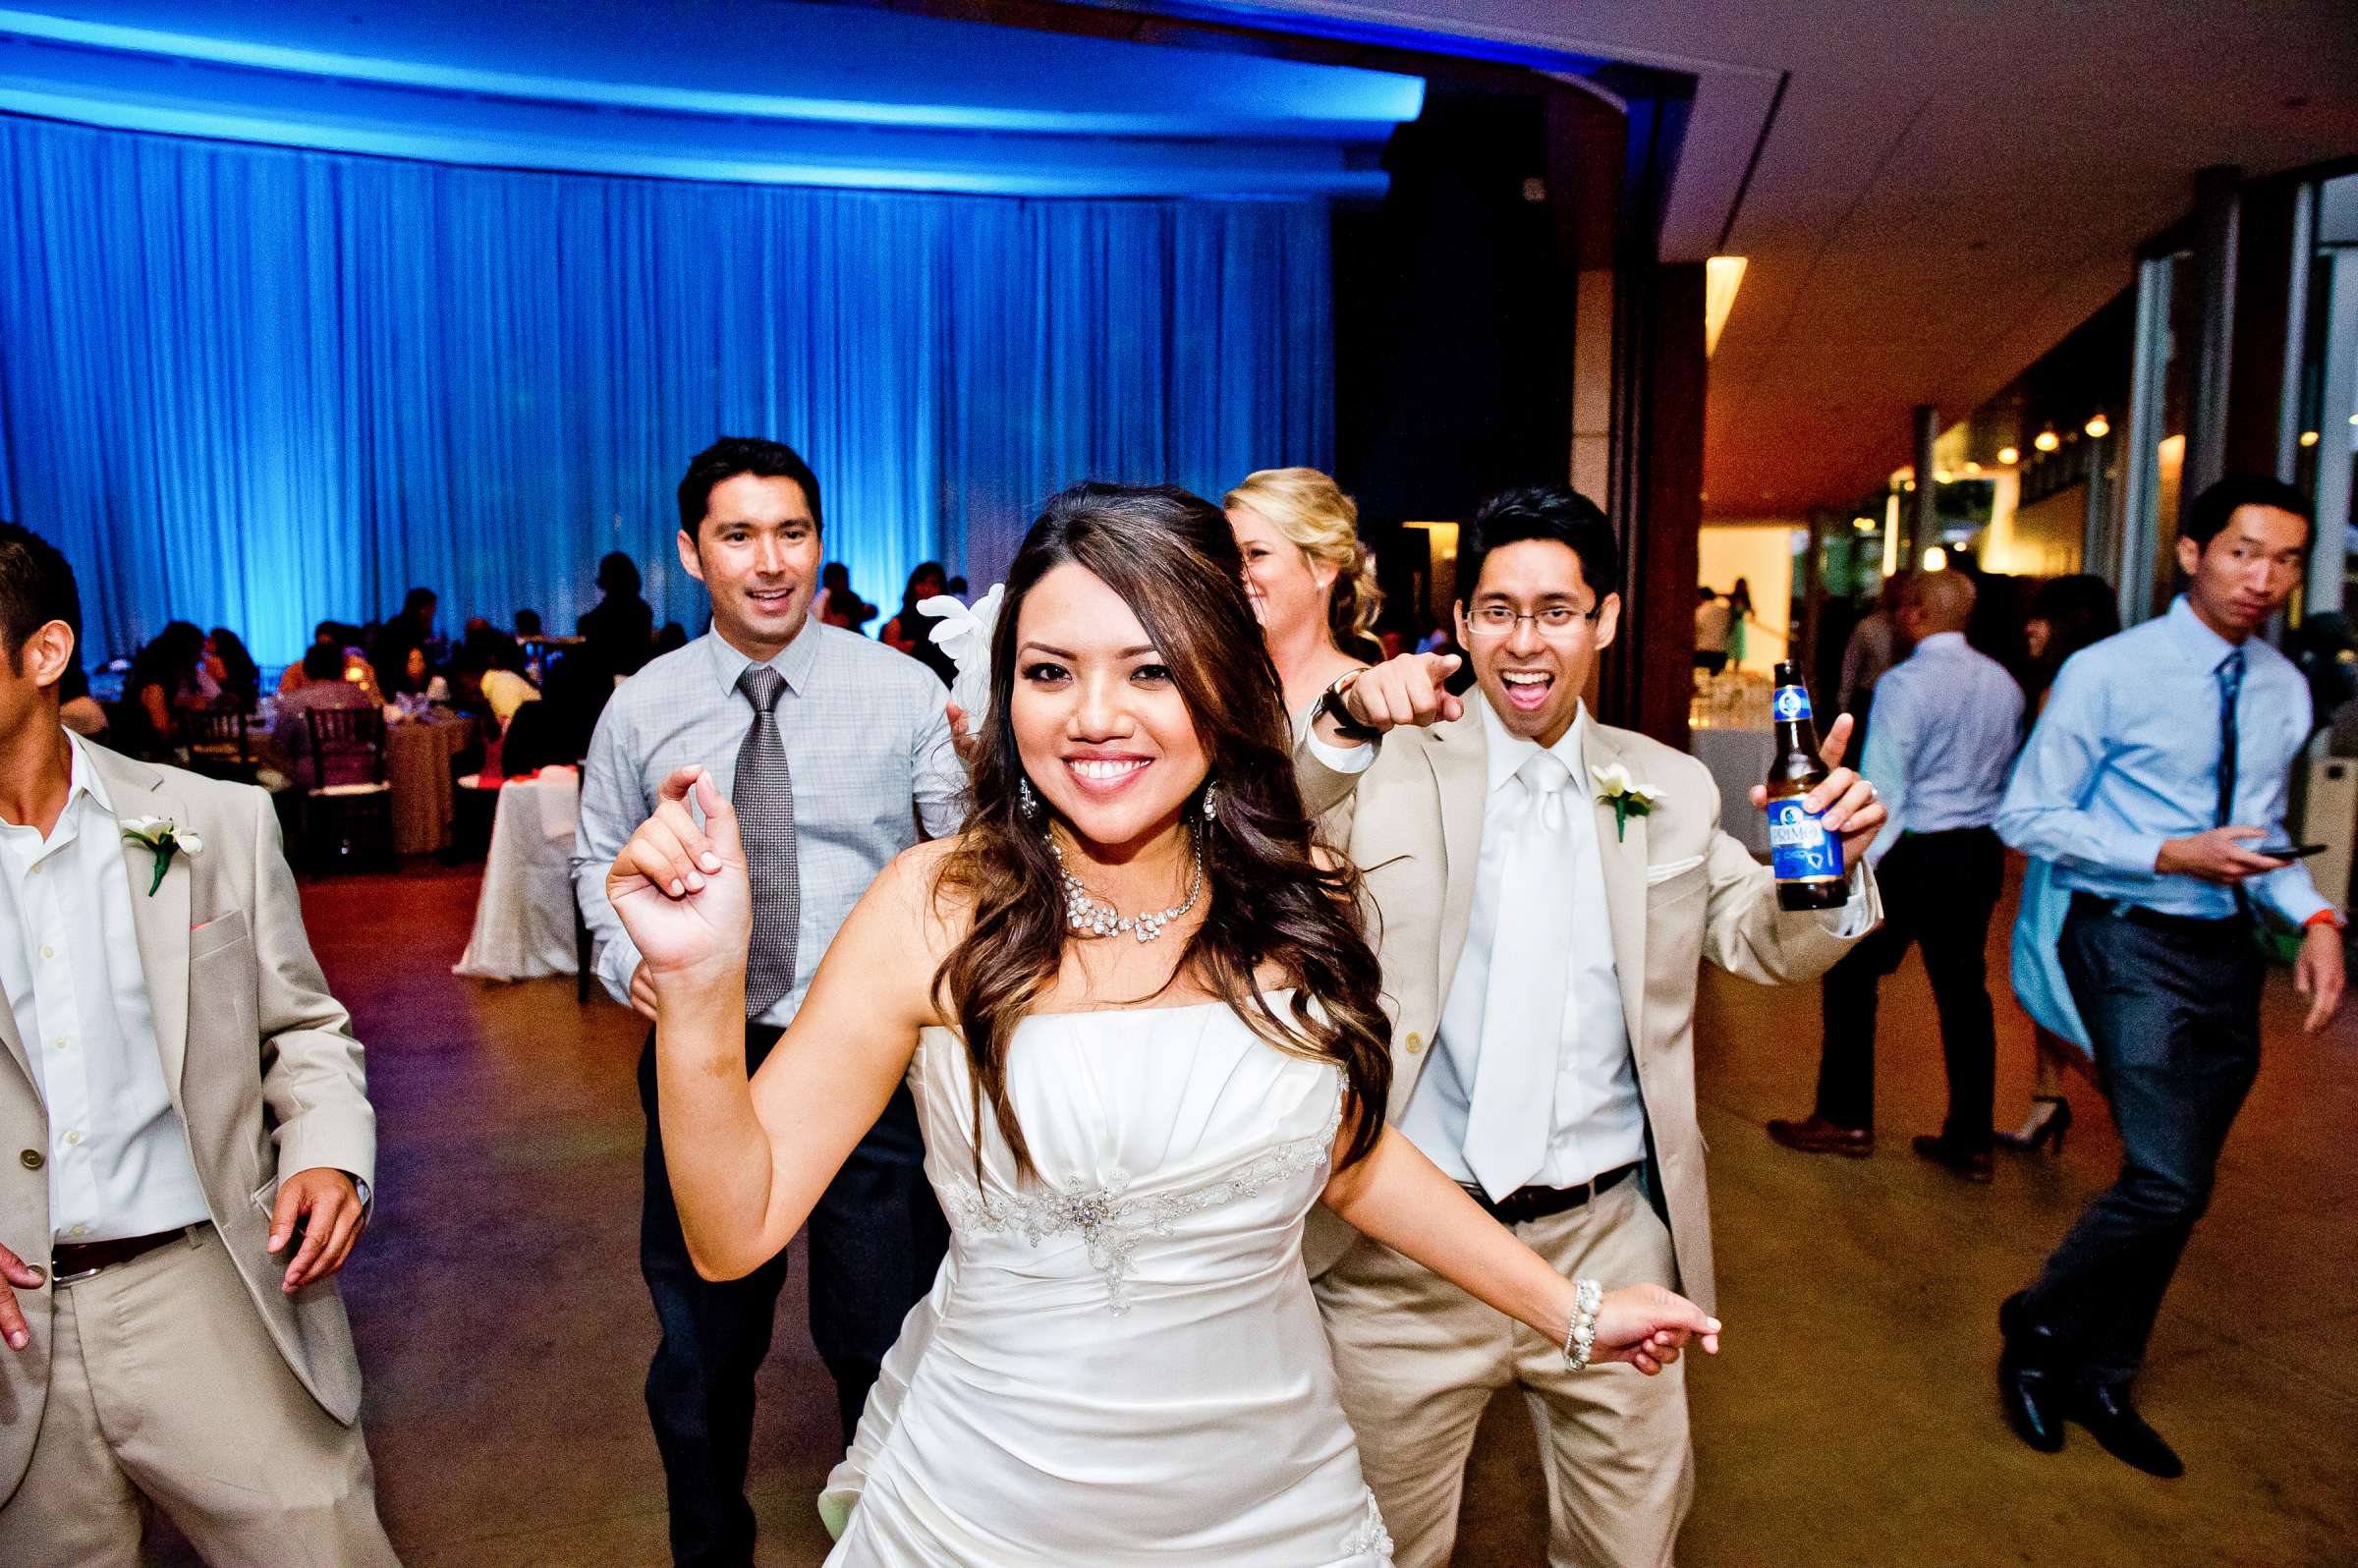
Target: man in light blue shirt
[
  {"x": 1944, "y": 737},
  {"x": 2155, "y": 784}
]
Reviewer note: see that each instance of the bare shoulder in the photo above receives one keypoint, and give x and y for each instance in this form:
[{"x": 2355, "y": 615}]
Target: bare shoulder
[{"x": 915, "y": 889}]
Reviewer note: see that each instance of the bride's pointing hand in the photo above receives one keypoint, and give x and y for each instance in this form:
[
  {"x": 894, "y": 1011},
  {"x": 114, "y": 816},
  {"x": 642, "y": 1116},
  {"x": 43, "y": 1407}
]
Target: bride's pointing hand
[
  {"x": 682, "y": 891},
  {"x": 1648, "y": 1326}
]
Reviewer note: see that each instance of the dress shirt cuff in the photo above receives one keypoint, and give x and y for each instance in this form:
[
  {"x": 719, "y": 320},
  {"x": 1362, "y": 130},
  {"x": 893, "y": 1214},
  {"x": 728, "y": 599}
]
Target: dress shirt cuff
[
  {"x": 1342, "y": 759},
  {"x": 617, "y": 960},
  {"x": 2324, "y": 916},
  {"x": 1853, "y": 920}
]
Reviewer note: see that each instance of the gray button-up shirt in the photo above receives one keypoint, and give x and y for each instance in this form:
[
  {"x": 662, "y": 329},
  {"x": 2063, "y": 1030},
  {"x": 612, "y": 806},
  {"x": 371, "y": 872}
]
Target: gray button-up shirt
[{"x": 868, "y": 744}]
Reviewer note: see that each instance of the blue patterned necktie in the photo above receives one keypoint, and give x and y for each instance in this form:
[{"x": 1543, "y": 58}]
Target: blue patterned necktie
[
  {"x": 763, "y": 798},
  {"x": 2230, "y": 692}
]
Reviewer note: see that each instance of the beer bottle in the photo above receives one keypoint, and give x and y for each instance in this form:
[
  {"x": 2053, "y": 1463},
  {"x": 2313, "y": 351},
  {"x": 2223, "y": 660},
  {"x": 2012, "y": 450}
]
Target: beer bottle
[{"x": 1804, "y": 858}]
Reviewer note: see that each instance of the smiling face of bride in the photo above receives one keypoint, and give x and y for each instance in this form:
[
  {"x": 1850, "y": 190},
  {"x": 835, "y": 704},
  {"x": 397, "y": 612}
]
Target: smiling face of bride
[{"x": 1101, "y": 725}]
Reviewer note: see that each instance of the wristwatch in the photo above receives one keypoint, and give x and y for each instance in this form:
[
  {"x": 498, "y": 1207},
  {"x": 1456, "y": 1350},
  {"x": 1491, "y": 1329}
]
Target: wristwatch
[{"x": 1332, "y": 704}]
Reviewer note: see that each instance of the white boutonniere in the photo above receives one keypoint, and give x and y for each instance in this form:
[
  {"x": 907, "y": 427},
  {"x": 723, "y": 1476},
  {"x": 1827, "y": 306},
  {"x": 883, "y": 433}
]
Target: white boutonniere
[
  {"x": 163, "y": 839},
  {"x": 1626, "y": 796}
]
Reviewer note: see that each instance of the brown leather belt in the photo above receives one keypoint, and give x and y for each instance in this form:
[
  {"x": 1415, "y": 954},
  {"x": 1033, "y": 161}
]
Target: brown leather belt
[
  {"x": 1526, "y": 1203},
  {"x": 74, "y": 1260}
]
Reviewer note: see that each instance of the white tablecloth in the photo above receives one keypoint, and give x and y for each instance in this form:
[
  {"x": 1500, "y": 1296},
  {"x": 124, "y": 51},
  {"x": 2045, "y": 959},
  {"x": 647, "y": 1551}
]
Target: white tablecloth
[
  {"x": 1738, "y": 759},
  {"x": 523, "y": 915}
]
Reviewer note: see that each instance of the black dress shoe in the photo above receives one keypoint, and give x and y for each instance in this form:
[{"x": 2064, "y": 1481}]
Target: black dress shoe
[
  {"x": 2105, "y": 1410},
  {"x": 2029, "y": 1380}
]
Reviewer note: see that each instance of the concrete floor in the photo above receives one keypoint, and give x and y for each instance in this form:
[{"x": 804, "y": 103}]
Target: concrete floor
[{"x": 505, "y": 1332}]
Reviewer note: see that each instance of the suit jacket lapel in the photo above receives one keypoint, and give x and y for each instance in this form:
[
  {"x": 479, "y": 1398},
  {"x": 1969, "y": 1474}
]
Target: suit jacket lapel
[
  {"x": 159, "y": 921},
  {"x": 1459, "y": 756},
  {"x": 1623, "y": 851}
]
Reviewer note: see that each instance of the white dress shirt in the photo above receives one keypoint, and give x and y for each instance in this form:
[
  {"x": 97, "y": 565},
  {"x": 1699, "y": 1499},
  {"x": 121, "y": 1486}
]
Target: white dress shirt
[
  {"x": 119, "y": 1163},
  {"x": 1598, "y": 1122}
]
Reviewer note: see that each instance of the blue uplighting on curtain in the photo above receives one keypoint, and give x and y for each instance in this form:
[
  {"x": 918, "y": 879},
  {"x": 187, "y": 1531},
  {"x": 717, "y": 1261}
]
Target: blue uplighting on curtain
[{"x": 256, "y": 388}]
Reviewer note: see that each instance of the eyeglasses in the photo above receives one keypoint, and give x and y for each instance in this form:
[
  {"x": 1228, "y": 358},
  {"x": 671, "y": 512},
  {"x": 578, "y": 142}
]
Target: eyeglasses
[{"x": 1555, "y": 621}]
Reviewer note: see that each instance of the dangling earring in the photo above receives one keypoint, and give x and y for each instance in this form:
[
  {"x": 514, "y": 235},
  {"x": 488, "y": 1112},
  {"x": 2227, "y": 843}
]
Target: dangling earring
[
  {"x": 1211, "y": 801},
  {"x": 1027, "y": 803}
]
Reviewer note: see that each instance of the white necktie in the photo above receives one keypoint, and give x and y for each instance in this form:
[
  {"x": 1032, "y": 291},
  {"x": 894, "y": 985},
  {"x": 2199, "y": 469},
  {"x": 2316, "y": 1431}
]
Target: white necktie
[{"x": 1523, "y": 1008}]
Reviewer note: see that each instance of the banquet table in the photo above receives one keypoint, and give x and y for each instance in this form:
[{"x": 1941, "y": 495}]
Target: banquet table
[
  {"x": 524, "y": 914},
  {"x": 1738, "y": 759},
  {"x": 417, "y": 756}
]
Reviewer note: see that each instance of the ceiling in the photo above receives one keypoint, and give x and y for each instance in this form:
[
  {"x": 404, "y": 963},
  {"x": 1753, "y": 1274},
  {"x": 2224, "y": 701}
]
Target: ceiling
[
  {"x": 776, "y": 93},
  {"x": 1931, "y": 193},
  {"x": 1942, "y": 189}
]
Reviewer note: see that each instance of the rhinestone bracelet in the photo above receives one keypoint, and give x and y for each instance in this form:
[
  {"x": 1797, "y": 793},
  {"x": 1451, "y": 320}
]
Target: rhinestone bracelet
[{"x": 1580, "y": 1337}]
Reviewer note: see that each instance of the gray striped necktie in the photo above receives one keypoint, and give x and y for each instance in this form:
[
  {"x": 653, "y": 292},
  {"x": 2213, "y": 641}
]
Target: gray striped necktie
[{"x": 763, "y": 798}]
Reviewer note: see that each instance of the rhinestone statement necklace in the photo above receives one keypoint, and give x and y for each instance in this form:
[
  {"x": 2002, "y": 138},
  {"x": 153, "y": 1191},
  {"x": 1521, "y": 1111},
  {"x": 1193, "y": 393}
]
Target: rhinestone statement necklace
[{"x": 1090, "y": 915}]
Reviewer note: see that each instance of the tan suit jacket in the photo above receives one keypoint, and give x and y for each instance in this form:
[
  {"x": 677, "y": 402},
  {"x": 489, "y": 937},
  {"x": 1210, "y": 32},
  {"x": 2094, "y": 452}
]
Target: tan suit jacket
[
  {"x": 1677, "y": 890},
  {"x": 259, "y": 1060}
]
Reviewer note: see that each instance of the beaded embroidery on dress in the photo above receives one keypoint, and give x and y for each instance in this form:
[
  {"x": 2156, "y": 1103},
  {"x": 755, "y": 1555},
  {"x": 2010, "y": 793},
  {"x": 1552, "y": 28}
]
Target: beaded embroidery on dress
[{"x": 1121, "y": 1363}]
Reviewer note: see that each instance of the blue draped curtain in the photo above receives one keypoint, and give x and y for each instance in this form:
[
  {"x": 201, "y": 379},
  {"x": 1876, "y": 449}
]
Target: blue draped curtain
[{"x": 257, "y": 388}]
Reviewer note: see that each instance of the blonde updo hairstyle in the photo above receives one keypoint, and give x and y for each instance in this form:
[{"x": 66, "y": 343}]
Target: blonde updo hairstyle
[{"x": 1323, "y": 522}]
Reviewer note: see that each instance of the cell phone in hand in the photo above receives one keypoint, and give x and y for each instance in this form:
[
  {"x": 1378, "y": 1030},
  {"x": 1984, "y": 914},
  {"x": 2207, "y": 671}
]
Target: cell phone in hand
[{"x": 2290, "y": 851}]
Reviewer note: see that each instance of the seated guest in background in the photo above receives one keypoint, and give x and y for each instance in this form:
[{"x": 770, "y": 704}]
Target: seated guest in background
[
  {"x": 1305, "y": 579},
  {"x": 2154, "y": 778},
  {"x": 672, "y": 638},
  {"x": 620, "y": 628},
  {"x": 237, "y": 679},
  {"x": 836, "y": 603},
  {"x": 527, "y": 624},
  {"x": 402, "y": 669},
  {"x": 824, "y": 742},
  {"x": 1945, "y": 721},
  {"x": 1713, "y": 620},
  {"x": 534, "y": 740},
  {"x": 912, "y": 630},
  {"x": 160, "y": 686},
  {"x": 324, "y": 634},
  {"x": 414, "y": 626},
  {"x": 323, "y": 686},
  {"x": 170, "y": 1332}
]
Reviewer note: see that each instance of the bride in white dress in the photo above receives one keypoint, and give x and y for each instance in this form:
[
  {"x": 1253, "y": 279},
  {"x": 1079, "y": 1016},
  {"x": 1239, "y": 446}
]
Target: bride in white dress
[{"x": 1142, "y": 1029}]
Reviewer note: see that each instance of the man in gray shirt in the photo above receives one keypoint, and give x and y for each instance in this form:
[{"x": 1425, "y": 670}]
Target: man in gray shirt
[{"x": 832, "y": 749}]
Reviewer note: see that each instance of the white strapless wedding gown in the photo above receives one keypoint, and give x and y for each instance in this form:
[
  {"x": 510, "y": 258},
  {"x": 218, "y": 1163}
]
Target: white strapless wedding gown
[{"x": 1120, "y": 1361}]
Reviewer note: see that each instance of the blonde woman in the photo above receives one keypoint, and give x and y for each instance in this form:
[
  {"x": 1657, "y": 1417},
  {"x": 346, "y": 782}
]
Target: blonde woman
[{"x": 1310, "y": 585}]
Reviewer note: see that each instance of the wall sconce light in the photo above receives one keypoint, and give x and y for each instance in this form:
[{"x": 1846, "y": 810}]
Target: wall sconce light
[
  {"x": 2009, "y": 456},
  {"x": 2047, "y": 440},
  {"x": 2097, "y": 426},
  {"x": 2308, "y": 438}
]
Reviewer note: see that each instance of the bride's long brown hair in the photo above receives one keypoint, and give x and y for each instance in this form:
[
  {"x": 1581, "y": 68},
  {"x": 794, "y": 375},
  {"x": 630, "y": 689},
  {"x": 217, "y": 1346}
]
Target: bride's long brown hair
[{"x": 1268, "y": 902}]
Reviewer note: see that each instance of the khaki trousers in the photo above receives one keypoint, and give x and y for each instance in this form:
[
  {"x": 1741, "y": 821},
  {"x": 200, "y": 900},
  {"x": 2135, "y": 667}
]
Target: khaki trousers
[
  {"x": 1417, "y": 1360},
  {"x": 164, "y": 1383}
]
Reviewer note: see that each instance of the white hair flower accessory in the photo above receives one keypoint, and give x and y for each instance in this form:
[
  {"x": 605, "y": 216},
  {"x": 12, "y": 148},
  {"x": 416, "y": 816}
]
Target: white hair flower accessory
[
  {"x": 965, "y": 635},
  {"x": 163, "y": 839},
  {"x": 1626, "y": 796}
]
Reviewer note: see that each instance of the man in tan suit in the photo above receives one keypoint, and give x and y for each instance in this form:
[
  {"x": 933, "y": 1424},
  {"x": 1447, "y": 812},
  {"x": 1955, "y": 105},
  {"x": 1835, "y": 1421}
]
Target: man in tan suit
[
  {"x": 1541, "y": 951},
  {"x": 185, "y": 1150}
]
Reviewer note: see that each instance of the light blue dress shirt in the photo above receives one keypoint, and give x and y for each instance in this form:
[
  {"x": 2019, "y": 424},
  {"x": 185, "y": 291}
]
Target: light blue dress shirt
[
  {"x": 1946, "y": 722},
  {"x": 2127, "y": 753}
]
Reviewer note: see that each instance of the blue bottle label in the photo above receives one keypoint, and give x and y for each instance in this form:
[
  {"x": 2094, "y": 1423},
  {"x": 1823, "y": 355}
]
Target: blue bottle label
[
  {"x": 1790, "y": 702},
  {"x": 1800, "y": 849}
]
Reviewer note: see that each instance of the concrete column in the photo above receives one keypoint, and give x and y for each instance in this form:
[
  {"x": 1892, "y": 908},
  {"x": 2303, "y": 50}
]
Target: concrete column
[
  {"x": 1922, "y": 525},
  {"x": 2217, "y": 208}
]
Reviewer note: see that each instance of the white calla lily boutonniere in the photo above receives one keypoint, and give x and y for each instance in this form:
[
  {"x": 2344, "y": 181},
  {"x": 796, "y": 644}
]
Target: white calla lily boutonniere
[
  {"x": 163, "y": 839},
  {"x": 1626, "y": 796}
]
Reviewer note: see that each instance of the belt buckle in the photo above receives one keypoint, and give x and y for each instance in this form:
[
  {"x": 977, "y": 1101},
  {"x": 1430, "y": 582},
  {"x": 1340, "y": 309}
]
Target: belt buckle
[{"x": 74, "y": 1278}]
